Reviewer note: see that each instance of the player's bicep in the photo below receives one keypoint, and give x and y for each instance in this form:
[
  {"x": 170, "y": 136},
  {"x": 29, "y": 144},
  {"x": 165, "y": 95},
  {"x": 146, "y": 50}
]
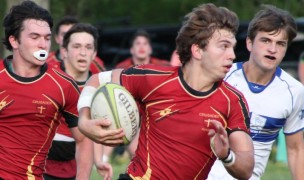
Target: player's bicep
[
  {"x": 116, "y": 76},
  {"x": 294, "y": 141},
  {"x": 78, "y": 136},
  {"x": 240, "y": 141}
]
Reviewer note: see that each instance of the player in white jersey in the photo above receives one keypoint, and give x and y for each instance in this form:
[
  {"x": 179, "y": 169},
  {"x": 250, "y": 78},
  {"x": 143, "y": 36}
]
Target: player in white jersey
[{"x": 275, "y": 98}]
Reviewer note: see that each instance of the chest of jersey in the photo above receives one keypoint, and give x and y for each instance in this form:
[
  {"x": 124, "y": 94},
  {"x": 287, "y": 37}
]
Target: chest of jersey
[
  {"x": 270, "y": 108},
  {"x": 36, "y": 100}
]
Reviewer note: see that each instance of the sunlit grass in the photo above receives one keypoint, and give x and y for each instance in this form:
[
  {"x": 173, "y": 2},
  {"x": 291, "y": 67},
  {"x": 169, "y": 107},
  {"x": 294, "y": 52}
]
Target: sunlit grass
[{"x": 274, "y": 170}]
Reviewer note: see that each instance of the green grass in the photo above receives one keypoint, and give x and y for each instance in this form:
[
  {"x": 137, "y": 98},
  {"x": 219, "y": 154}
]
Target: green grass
[
  {"x": 119, "y": 165},
  {"x": 277, "y": 171},
  {"x": 117, "y": 168},
  {"x": 274, "y": 170}
]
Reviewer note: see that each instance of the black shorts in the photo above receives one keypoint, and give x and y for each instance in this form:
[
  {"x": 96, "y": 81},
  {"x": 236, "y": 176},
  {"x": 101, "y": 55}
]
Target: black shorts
[
  {"x": 124, "y": 177},
  {"x": 49, "y": 177}
]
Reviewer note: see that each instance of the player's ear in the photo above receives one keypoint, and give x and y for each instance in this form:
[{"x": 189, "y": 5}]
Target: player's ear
[
  {"x": 150, "y": 50},
  {"x": 14, "y": 42},
  {"x": 131, "y": 51},
  {"x": 249, "y": 44},
  {"x": 64, "y": 53},
  {"x": 57, "y": 39},
  {"x": 196, "y": 51}
]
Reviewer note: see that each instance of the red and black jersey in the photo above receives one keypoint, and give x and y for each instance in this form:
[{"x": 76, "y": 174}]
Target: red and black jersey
[
  {"x": 96, "y": 66},
  {"x": 127, "y": 63},
  {"x": 172, "y": 144},
  {"x": 30, "y": 112}
]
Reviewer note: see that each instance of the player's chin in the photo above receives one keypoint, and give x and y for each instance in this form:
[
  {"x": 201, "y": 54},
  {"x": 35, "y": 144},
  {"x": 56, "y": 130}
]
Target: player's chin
[
  {"x": 40, "y": 62},
  {"x": 221, "y": 76},
  {"x": 82, "y": 69}
]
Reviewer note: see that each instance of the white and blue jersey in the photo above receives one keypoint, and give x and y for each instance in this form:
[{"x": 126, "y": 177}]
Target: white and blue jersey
[{"x": 277, "y": 105}]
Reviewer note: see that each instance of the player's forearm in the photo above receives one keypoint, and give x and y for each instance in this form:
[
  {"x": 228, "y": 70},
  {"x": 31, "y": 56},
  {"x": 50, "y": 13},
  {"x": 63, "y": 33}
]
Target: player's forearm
[
  {"x": 301, "y": 72},
  {"x": 102, "y": 153},
  {"x": 83, "y": 123},
  {"x": 84, "y": 158},
  {"x": 243, "y": 165},
  {"x": 296, "y": 163}
]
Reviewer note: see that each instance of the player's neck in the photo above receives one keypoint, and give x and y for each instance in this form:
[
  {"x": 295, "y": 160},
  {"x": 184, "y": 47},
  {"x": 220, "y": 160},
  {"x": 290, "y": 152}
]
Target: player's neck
[
  {"x": 256, "y": 75},
  {"x": 196, "y": 77},
  {"x": 76, "y": 75},
  {"x": 137, "y": 61},
  {"x": 23, "y": 68}
]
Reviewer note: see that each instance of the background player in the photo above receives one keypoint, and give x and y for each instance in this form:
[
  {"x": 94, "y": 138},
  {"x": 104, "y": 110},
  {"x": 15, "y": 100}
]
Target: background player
[
  {"x": 276, "y": 99},
  {"x": 141, "y": 51},
  {"x": 55, "y": 57},
  {"x": 79, "y": 50},
  {"x": 30, "y": 110}
]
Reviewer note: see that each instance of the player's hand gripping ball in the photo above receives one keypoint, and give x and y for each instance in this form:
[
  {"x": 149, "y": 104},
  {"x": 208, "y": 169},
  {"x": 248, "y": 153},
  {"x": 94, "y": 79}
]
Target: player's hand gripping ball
[{"x": 112, "y": 101}]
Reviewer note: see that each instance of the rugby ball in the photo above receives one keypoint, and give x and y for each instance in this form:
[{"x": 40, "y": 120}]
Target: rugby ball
[{"x": 112, "y": 101}]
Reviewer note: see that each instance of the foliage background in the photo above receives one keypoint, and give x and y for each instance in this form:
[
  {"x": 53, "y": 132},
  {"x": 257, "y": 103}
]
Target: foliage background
[
  {"x": 158, "y": 11},
  {"x": 122, "y": 13}
]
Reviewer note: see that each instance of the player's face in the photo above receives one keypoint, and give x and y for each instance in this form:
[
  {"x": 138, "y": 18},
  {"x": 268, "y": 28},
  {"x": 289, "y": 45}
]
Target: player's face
[
  {"x": 141, "y": 48},
  {"x": 34, "y": 36},
  {"x": 62, "y": 30},
  {"x": 268, "y": 49},
  {"x": 80, "y": 52},
  {"x": 218, "y": 55}
]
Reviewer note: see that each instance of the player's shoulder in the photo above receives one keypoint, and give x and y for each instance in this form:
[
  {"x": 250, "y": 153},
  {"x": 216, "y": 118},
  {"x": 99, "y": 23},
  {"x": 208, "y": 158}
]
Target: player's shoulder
[
  {"x": 158, "y": 61},
  {"x": 60, "y": 76},
  {"x": 98, "y": 60},
  {"x": 97, "y": 65},
  {"x": 230, "y": 90},
  {"x": 287, "y": 78},
  {"x": 52, "y": 57},
  {"x": 125, "y": 63},
  {"x": 2, "y": 64},
  {"x": 235, "y": 68},
  {"x": 151, "y": 69},
  {"x": 288, "y": 82},
  {"x": 58, "y": 73}
]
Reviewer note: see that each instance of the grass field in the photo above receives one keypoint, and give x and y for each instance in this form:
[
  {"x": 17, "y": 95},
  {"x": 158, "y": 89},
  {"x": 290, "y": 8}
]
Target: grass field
[{"x": 274, "y": 171}]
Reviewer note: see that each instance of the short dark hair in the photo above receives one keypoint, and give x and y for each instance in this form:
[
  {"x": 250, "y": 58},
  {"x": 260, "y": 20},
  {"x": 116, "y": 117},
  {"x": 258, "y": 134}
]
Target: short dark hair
[
  {"x": 272, "y": 19},
  {"x": 13, "y": 21},
  {"x": 81, "y": 27},
  {"x": 138, "y": 33},
  {"x": 199, "y": 26},
  {"x": 66, "y": 20}
]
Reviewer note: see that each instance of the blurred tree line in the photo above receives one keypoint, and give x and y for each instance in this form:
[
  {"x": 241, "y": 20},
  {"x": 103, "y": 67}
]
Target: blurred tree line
[
  {"x": 121, "y": 13},
  {"x": 142, "y": 12}
]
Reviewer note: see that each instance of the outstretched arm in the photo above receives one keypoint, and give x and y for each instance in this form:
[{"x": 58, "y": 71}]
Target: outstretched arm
[
  {"x": 235, "y": 151},
  {"x": 84, "y": 154},
  {"x": 295, "y": 152}
]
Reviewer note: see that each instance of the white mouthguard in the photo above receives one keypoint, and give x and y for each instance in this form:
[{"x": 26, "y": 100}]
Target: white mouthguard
[{"x": 41, "y": 55}]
